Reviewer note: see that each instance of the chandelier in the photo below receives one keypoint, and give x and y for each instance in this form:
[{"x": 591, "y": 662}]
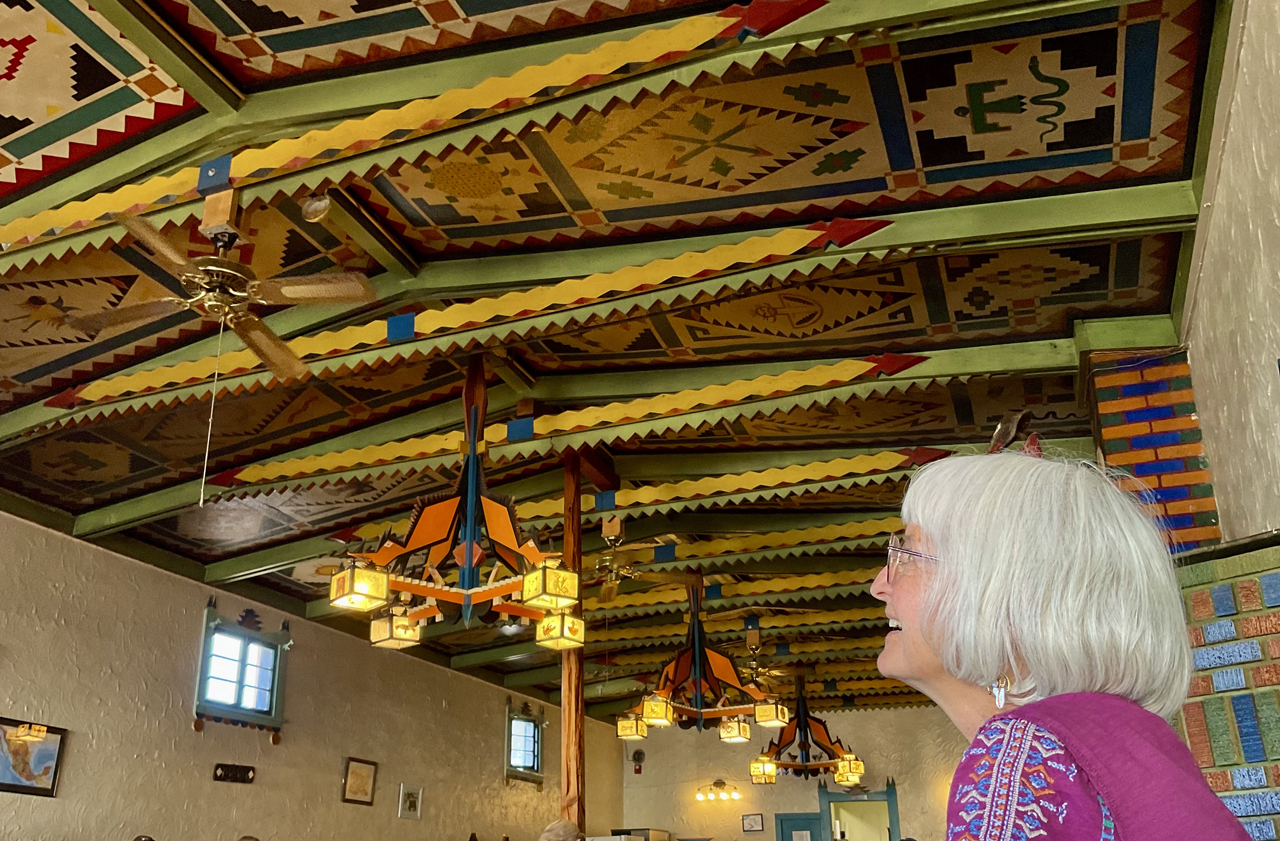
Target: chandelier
[{"x": 805, "y": 748}]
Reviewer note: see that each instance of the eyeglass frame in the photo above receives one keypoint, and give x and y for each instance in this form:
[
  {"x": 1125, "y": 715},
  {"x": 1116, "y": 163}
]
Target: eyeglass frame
[{"x": 895, "y": 559}]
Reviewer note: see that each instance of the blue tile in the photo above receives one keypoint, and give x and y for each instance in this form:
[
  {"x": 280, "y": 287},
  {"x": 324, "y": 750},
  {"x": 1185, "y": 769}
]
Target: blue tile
[
  {"x": 1179, "y": 548},
  {"x": 520, "y": 429},
  {"x": 1160, "y": 439},
  {"x": 1253, "y": 777},
  {"x": 1177, "y": 521},
  {"x": 606, "y": 501},
  {"x": 1167, "y": 494},
  {"x": 1154, "y": 413},
  {"x": 1248, "y": 805},
  {"x": 1270, "y": 589},
  {"x": 1219, "y": 631},
  {"x": 1228, "y": 679},
  {"x": 1143, "y": 389},
  {"x": 400, "y": 327},
  {"x": 667, "y": 552},
  {"x": 1224, "y": 600},
  {"x": 1151, "y": 468},
  {"x": 1231, "y": 654},
  {"x": 1247, "y": 728},
  {"x": 1260, "y": 830}
]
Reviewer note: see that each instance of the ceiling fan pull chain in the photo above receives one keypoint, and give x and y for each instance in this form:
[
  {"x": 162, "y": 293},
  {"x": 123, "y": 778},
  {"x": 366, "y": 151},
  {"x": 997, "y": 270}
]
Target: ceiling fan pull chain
[{"x": 213, "y": 399}]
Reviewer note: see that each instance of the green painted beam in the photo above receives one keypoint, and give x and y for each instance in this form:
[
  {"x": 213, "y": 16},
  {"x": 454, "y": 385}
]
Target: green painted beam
[
  {"x": 203, "y": 80},
  {"x": 606, "y": 689},
  {"x": 496, "y": 655},
  {"x": 617, "y": 706}
]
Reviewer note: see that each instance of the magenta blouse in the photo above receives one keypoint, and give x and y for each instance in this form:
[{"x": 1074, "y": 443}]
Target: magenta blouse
[{"x": 1083, "y": 767}]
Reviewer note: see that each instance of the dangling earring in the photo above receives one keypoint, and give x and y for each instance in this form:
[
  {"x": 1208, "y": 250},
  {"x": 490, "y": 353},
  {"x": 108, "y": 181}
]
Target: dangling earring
[{"x": 998, "y": 690}]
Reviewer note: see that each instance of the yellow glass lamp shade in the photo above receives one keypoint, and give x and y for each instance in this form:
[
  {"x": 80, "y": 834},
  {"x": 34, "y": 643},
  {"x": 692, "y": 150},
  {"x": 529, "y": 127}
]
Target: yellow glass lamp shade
[
  {"x": 656, "y": 711},
  {"x": 764, "y": 771},
  {"x": 550, "y": 588},
  {"x": 849, "y": 770},
  {"x": 359, "y": 588},
  {"x": 632, "y": 729},
  {"x": 772, "y": 714},
  {"x": 395, "y": 632},
  {"x": 560, "y": 631},
  {"x": 735, "y": 731}
]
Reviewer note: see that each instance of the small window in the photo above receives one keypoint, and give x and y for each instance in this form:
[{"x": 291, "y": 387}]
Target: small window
[
  {"x": 526, "y": 753},
  {"x": 524, "y": 743},
  {"x": 241, "y": 673}
]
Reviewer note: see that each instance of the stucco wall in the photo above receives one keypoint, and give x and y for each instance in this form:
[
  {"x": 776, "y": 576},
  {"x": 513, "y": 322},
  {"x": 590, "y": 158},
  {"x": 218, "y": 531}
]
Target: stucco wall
[
  {"x": 1232, "y": 323},
  {"x": 919, "y": 748},
  {"x": 108, "y": 648}
]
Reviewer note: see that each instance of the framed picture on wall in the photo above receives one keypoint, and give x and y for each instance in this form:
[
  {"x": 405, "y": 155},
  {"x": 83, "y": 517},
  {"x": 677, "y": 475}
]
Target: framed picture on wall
[
  {"x": 30, "y": 757},
  {"x": 753, "y": 823},
  {"x": 410, "y": 802},
  {"x": 358, "y": 780}
]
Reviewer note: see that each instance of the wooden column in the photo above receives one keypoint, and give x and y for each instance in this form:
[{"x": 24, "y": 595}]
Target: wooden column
[{"x": 573, "y": 755}]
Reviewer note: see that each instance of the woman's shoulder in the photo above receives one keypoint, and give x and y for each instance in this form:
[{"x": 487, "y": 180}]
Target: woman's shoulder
[{"x": 1018, "y": 779}]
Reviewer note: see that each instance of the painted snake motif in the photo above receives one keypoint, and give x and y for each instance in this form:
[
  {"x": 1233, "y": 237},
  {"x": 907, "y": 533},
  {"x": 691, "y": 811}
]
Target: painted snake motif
[{"x": 1060, "y": 86}]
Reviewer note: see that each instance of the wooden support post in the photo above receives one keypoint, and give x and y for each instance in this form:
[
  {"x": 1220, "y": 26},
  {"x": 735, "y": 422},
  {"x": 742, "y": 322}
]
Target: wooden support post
[{"x": 573, "y": 803}]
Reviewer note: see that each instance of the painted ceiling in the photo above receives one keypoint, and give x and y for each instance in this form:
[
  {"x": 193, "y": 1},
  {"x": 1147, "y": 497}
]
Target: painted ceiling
[{"x": 763, "y": 260}]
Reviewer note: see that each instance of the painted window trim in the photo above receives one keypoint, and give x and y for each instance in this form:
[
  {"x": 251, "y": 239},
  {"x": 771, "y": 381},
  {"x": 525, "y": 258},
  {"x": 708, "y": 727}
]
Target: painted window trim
[{"x": 280, "y": 640}]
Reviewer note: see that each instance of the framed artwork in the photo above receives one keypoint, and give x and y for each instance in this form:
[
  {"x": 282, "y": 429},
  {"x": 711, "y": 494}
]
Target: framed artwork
[
  {"x": 753, "y": 823},
  {"x": 30, "y": 757},
  {"x": 410, "y": 802},
  {"x": 358, "y": 780}
]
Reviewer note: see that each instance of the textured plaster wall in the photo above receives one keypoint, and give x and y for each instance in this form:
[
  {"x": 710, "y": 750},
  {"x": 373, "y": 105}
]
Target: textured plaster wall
[
  {"x": 108, "y": 647},
  {"x": 1232, "y": 324},
  {"x": 919, "y": 748}
]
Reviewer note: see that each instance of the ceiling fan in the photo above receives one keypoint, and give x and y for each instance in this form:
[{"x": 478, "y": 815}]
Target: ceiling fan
[
  {"x": 223, "y": 289},
  {"x": 613, "y": 571}
]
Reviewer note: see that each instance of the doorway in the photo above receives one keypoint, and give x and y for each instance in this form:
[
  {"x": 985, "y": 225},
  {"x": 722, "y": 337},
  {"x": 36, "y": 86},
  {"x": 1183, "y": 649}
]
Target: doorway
[
  {"x": 798, "y": 826},
  {"x": 860, "y": 820}
]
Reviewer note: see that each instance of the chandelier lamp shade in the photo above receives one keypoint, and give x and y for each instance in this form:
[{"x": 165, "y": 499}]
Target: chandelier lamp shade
[
  {"x": 764, "y": 771},
  {"x": 735, "y": 730},
  {"x": 395, "y": 632},
  {"x": 560, "y": 631},
  {"x": 550, "y": 588},
  {"x": 849, "y": 770},
  {"x": 656, "y": 710},
  {"x": 631, "y": 729},
  {"x": 771, "y": 713},
  {"x": 359, "y": 587}
]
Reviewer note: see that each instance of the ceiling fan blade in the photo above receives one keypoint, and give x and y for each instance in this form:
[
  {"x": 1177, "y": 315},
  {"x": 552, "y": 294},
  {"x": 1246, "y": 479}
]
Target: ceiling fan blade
[
  {"x": 146, "y": 233},
  {"x": 269, "y": 347},
  {"x": 94, "y": 323},
  {"x": 684, "y": 579},
  {"x": 336, "y": 288},
  {"x": 608, "y": 591}
]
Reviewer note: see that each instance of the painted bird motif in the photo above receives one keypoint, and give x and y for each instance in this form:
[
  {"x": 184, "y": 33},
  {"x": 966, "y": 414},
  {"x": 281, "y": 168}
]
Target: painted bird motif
[{"x": 41, "y": 310}]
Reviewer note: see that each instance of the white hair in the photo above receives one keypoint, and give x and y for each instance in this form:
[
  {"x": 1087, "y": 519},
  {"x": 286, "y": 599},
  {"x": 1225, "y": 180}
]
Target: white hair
[
  {"x": 1051, "y": 574},
  {"x": 561, "y": 830}
]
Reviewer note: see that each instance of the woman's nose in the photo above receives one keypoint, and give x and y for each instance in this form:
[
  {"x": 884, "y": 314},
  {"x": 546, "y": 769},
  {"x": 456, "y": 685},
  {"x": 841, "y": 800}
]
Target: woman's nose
[{"x": 880, "y": 587}]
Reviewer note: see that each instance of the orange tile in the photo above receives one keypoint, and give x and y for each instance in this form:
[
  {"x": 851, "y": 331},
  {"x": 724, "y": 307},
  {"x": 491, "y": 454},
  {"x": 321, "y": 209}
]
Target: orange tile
[
  {"x": 1192, "y": 535},
  {"x": 1111, "y": 380},
  {"x": 1169, "y": 398},
  {"x": 1218, "y": 780},
  {"x": 1201, "y": 605},
  {"x": 1273, "y": 651},
  {"x": 1181, "y": 451},
  {"x": 1260, "y": 626},
  {"x": 1176, "y": 424},
  {"x": 1195, "y": 636},
  {"x": 1134, "y": 457},
  {"x": 1132, "y": 483},
  {"x": 1192, "y": 506},
  {"x": 1268, "y": 675},
  {"x": 1191, "y": 477},
  {"x": 1125, "y": 430},
  {"x": 1200, "y": 685},
  {"x": 1125, "y": 405},
  {"x": 1166, "y": 372},
  {"x": 1250, "y": 594}
]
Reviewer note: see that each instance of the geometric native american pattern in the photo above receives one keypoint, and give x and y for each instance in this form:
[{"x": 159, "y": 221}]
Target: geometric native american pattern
[
  {"x": 260, "y": 43},
  {"x": 1078, "y": 100},
  {"x": 71, "y": 89}
]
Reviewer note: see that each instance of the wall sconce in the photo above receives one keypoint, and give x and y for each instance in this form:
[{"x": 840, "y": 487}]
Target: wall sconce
[
  {"x": 772, "y": 714},
  {"x": 764, "y": 771},
  {"x": 656, "y": 711},
  {"x": 632, "y": 729},
  {"x": 718, "y": 790},
  {"x": 359, "y": 588},
  {"x": 849, "y": 770},
  {"x": 734, "y": 730}
]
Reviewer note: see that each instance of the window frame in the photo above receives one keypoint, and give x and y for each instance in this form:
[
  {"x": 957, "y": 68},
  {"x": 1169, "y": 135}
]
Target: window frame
[
  {"x": 524, "y": 712},
  {"x": 279, "y": 642}
]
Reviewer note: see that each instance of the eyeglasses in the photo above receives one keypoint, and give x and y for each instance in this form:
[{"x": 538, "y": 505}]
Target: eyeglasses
[{"x": 899, "y": 555}]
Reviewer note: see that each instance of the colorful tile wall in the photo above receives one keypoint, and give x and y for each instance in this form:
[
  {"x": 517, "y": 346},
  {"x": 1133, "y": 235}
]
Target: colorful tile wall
[
  {"x": 1231, "y": 720},
  {"x": 1148, "y": 427}
]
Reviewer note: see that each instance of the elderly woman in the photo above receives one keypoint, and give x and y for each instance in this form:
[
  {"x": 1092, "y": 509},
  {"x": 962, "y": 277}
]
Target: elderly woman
[{"x": 1035, "y": 602}]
